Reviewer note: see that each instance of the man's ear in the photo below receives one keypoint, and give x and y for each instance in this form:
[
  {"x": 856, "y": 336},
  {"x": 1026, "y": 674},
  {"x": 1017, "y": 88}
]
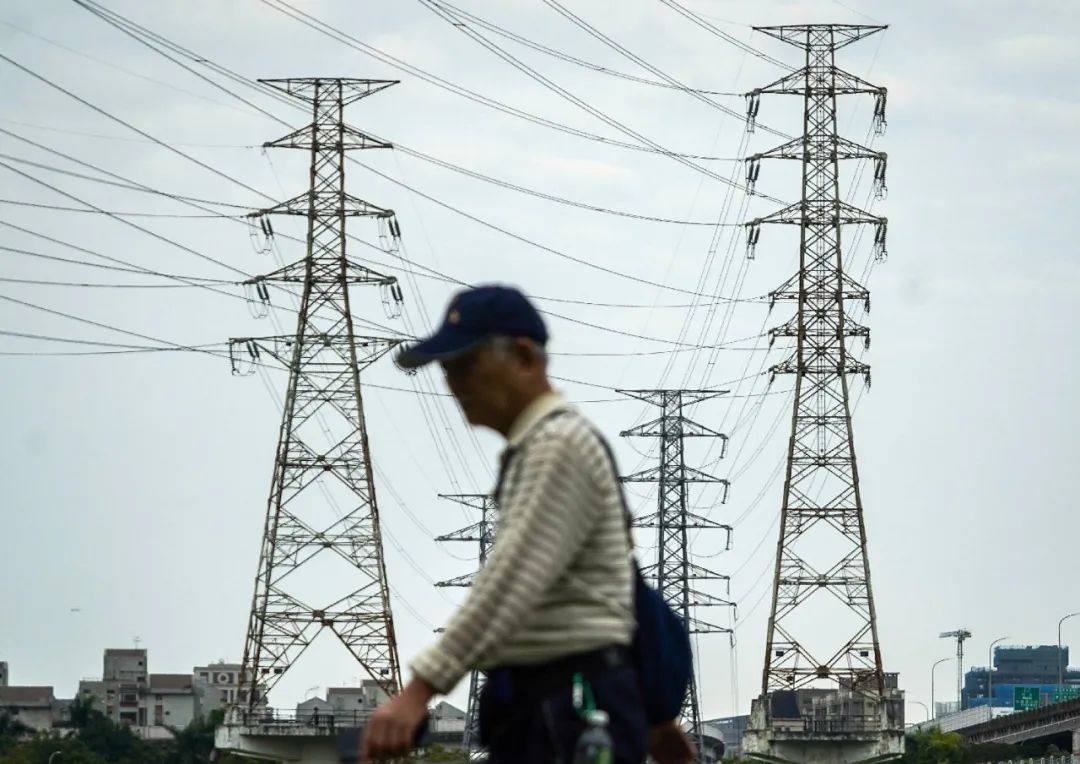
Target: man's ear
[{"x": 526, "y": 351}]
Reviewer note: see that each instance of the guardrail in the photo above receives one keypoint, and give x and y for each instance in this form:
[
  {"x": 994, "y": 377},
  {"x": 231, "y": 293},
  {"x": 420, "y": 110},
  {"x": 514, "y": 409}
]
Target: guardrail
[
  {"x": 1064, "y": 759},
  {"x": 831, "y": 726},
  {"x": 316, "y": 718}
]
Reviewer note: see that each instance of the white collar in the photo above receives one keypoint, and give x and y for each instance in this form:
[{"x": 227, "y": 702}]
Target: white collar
[{"x": 531, "y": 416}]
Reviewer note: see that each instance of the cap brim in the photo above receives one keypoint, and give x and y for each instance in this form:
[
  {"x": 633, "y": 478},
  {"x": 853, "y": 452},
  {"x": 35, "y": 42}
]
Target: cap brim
[{"x": 449, "y": 342}]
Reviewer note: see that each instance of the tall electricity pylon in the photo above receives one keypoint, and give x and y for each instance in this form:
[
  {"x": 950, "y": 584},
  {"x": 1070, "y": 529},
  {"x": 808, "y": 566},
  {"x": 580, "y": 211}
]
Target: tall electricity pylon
[
  {"x": 822, "y": 544},
  {"x": 674, "y": 569},
  {"x": 482, "y": 532},
  {"x": 323, "y": 458}
]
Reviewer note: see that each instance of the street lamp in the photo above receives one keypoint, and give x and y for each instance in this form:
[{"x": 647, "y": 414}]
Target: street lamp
[
  {"x": 990, "y": 678},
  {"x": 1061, "y": 668},
  {"x": 932, "y": 675},
  {"x": 920, "y": 703}
]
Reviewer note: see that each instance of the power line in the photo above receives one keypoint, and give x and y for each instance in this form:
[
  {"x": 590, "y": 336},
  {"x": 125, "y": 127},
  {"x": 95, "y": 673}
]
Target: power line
[
  {"x": 110, "y": 65},
  {"x": 596, "y": 33},
  {"x": 183, "y": 154},
  {"x": 563, "y": 56},
  {"x": 126, "y": 222},
  {"x": 104, "y": 181},
  {"x": 86, "y": 263},
  {"x": 113, "y": 213},
  {"x": 119, "y": 330},
  {"x": 574, "y": 99},
  {"x": 456, "y": 210},
  {"x": 91, "y": 285},
  {"x": 715, "y": 30},
  {"x": 70, "y": 341},
  {"x": 189, "y": 201},
  {"x": 326, "y": 29},
  {"x": 128, "y": 125}
]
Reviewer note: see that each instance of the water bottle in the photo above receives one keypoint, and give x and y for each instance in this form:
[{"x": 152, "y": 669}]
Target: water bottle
[{"x": 594, "y": 746}]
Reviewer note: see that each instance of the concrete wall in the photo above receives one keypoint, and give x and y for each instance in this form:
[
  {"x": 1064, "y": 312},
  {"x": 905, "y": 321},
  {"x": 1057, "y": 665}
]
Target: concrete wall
[
  {"x": 216, "y": 685},
  {"x": 177, "y": 709},
  {"x": 37, "y": 719},
  {"x": 124, "y": 665}
]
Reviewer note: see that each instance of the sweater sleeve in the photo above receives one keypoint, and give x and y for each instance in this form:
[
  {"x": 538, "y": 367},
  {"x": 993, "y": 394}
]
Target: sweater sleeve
[{"x": 546, "y": 518}]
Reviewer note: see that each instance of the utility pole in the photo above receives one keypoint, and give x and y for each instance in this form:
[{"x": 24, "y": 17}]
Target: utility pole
[
  {"x": 822, "y": 506},
  {"x": 959, "y": 635},
  {"x": 321, "y": 563},
  {"x": 674, "y": 570},
  {"x": 482, "y": 532}
]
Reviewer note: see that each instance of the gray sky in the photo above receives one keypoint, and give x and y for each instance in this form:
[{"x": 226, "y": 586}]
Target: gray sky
[{"x": 135, "y": 485}]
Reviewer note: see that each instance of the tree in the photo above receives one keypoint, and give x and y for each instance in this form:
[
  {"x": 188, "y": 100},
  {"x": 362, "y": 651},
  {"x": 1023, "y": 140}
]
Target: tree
[
  {"x": 446, "y": 755},
  {"x": 934, "y": 747},
  {"x": 194, "y": 743},
  {"x": 72, "y": 750},
  {"x": 11, "y": 730}
]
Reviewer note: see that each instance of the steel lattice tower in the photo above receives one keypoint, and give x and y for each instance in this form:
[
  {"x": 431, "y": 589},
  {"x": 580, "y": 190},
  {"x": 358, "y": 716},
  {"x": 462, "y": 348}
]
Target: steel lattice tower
[
  {"x": 674, "y": 571},
  {"x": 821, "y": 487},
  {"x": 482, "y": 532},
  {"x": 323, "y": 456}
]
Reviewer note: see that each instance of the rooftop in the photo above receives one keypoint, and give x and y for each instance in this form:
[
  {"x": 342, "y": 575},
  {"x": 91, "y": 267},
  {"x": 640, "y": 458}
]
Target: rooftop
[
  {"x": 170, "y": 682},
  {"x": 26, "y": 696},
  {"x": 124, "y": 652}
]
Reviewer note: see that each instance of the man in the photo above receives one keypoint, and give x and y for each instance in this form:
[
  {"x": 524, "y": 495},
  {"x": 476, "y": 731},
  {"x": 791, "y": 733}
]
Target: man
[{"x": 554, "y": 603}]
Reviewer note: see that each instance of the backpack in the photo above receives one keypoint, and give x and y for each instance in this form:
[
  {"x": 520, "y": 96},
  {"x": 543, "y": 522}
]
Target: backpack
[{"x": 660, "y": 651}]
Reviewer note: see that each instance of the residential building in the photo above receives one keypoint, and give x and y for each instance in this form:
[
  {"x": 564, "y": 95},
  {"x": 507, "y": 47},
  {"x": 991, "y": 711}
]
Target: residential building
[
  {"x": 343, "y": 705},
  {"x": 32, "y": 706},
  {"x": 312, "y": 709},
  {"x": 447, "y": 718},
  {"x": 128, "y": 694},
  {"x": 216, "y": 685},
  {"x": 171, "y": 700}
]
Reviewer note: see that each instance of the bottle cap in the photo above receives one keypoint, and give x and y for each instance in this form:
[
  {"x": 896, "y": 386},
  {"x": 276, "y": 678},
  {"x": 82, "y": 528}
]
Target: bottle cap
[{"x": 598, "y": 718}]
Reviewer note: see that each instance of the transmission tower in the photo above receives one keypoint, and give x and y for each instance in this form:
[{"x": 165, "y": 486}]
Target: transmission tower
[
  {"x": 822, "y": 544},
  {"x": 482, "y": 532},
  {"x": 674, "y": 570},
  {"x": 321, "y": 563}
]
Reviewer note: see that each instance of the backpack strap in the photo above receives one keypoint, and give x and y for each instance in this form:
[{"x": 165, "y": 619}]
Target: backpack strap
[{"x": 511, "y": 451}]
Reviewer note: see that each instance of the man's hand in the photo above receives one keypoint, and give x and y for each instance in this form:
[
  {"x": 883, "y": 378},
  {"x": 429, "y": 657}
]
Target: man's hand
[
  {"x": 393, "y": 726},
  {"x": 669, "y": 744}
]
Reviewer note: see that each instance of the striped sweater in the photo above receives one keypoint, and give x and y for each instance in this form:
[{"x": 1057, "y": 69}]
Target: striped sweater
[{"x": 558, "y": 579}]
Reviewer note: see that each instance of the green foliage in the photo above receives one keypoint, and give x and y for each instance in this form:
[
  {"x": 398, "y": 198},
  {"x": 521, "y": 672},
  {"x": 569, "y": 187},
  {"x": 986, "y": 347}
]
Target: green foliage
[
  {"x": 89, "y": 737},
  {"x": 937, "y": 747},
  {"x": 11, "y": 730},
  {"x": 934, "y": 747},
  {"x": 71, "y": 750},
  {"x": 445, "y": 754}
]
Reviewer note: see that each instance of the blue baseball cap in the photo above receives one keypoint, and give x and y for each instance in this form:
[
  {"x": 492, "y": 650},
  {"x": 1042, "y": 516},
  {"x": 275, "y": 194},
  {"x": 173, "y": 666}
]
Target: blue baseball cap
[{"x": 473, "y": 316}]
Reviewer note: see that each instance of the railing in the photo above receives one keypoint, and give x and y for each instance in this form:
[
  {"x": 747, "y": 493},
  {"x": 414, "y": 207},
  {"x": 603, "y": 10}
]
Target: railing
[
  {"x": 315, "y": 719},
  {"x": 830, "y": 726},
  {"x": 1063, "y": 759}
]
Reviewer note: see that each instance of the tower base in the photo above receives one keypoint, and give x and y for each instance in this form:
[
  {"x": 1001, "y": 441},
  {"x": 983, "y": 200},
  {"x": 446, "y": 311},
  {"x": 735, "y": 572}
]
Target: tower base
[
  {"x": 825, "y": 727},
  {"x": 266, "y": 735}
]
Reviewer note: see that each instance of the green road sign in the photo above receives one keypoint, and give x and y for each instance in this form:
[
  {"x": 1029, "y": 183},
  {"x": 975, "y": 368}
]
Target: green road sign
[
  {"x": 1061, "y": 694},
  {"x": 1026, "y": 698}
]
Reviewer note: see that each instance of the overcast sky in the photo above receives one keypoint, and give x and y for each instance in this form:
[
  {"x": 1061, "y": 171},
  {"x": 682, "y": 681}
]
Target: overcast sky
[{"x": 135, "y": 484}]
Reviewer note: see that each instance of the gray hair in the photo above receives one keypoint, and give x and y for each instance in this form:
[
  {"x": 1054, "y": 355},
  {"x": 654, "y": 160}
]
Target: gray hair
[{"x": 501, "y": 343}]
